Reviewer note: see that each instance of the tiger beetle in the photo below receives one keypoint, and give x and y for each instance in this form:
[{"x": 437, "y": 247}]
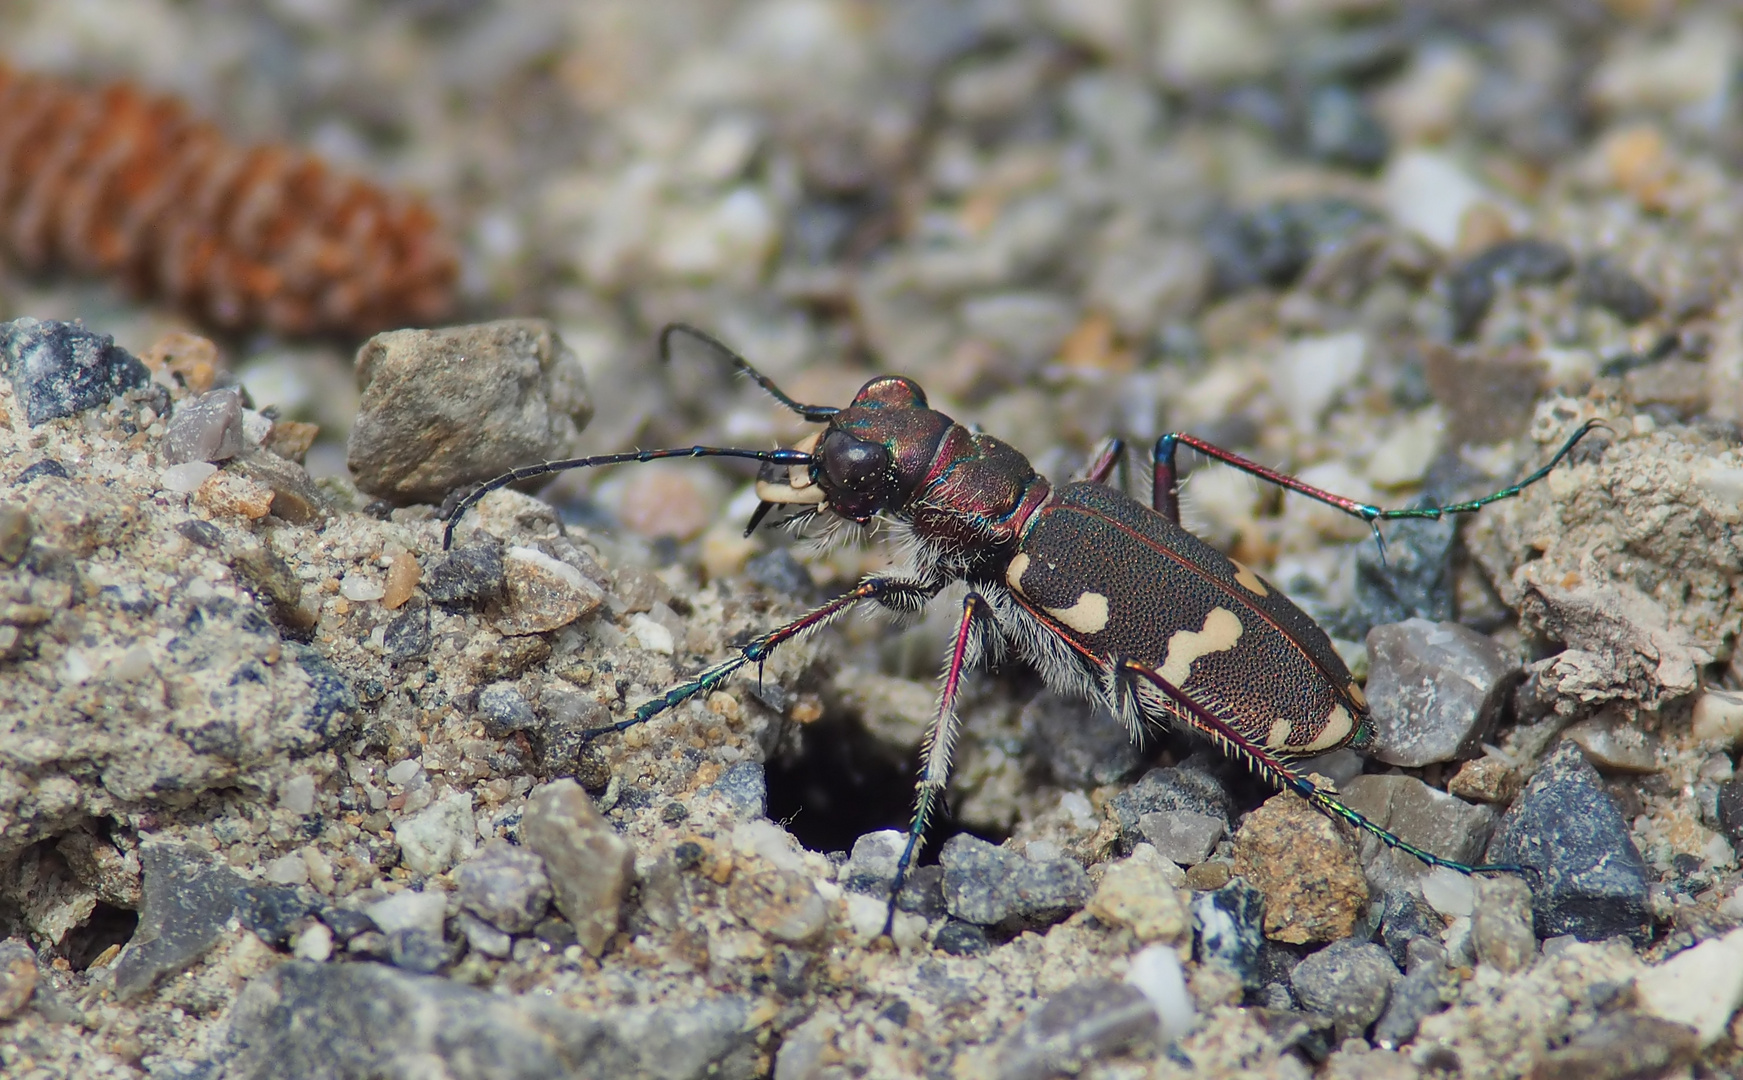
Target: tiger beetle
[{"x": 1107, "y": 598}]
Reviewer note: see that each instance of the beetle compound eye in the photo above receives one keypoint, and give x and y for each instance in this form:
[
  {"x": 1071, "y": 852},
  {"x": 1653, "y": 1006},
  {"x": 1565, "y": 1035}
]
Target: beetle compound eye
[{"x": 854, "y": 464}]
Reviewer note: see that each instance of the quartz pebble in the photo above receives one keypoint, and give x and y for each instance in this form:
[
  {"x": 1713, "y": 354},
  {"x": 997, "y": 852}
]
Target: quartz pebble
[
  {"x": 1614, "y": 744},
  {"x": 590, "y": 866},
  {"x": 1157, "y": 972},
  {"x": 187, "y": 478},
  {"x": 409, "y": 910},
  {"x": 1701, "y": 987},
  {"x": 206, "y": 428},
  {"x": 1434, "y": 689}
]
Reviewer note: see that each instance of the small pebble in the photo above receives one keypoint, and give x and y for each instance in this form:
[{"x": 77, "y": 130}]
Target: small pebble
[
  {"x": 506, "y": 886},
  {"x": 1420, "y": 815},
  {"x": 1428, "y": 192},
  {"x": 1449, "y": 892},
  {"x": 744, "y": 788},
  {"x": 314, "y": 942},
  {"x": 187, "y": 478},
  {"x": 1183, "y": 837},
  {"x": 298, "y": 794},
  {"x": 289, "y": 869},
  {"x": 15, "y": 533},
  {"x": 1622, "y": 1046},
  {"x": 1701, "y": 987},
  {"x": 188, "y": 899},
  {"x": 437, "y": 837},
  {"x": 1140, "y": 894},
  {"x": 404, "y": 772},
  {"x": 206, "y": 428},
  {"x": 1190, "y": 786},
  {"x": 481, "y": 937},
  {"x": 871, "y": 865},
  {"x": 958, "y": 938},
  {"x": 1085, "y": 1022},
  {"x": 402, "y": 577},
  {"x": 1228, "y": 929},
  {"x": 1594, "y": 884},
  {"x": 417, "y": 950},
  {"x": 226, "y": 494},
  {"x": 1606, "y": 284},
  {"x": 589, "y": 865},
  {"x": 1311, "y": 877},
  {"x": 504, "y": 710},
  {"x": 407, "y": 635},
  {"x": 61, "y": 369},
  {"x": 1348, "y": 980},
  {"x": 543, "y": 594},
  {"x": 471, "y": 572},
  {"x": 359, "y": 589},
  {"x": 1434, "y": 689},
  {"x": 986, "y": 884},
  {"x": 1427, "y": 987},
  {"x": 410, "y": 910},
  {"x": 1471, "y": 289},
  {"x": 1614, "y": 744},
  {"x": 1501, "y": 923},
  {"x": 203, "y": 533},
  {"x": 1718, "y": 718},
  {"x": 779, "y": 903},
  {"x": 1156, "y": 971},
  {"x": 18, "y": 976}
]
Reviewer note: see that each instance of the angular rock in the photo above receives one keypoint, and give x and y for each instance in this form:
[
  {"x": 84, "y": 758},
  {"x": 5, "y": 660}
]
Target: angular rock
[
  {"x": 409, "y": 909},
  {"x": 590, "y": 866},
  {"x": 1701, "y": 987},
  {"x": 273, "y": 912},
  {"x": 1310, "y": 875},
  {"x": 188, "y": 897},
  {"x": 311, "y": 1020},
  {"x": 1082, "y": 1023},
  {"x": 986, "y": 884},
  {"x": 1606, "y": 284},
  {"x": 504, "y": 710},
  {"x": 295, "y": 498},
  {"x": 778, "y": 903},
  {"x": 1471, "y": 289},
  {"x": 206, "y": 428},
  {"x": 1418, "y": 814},
  {"x": 1614, "y": 744},
  {"x": 481, "y": 937},
  {"x": 470, "y": 573},
  {"x": 1594, "y": 884},
  {"x": 871, "y": 866},
  {"x": 1625, "y": 1046},
  {"x": 1410, "y": 579},
  {"x": 437, "y": 836},
  {"x": 1434, "y": 689},
  {"x": 443, "y": 408},
  {"x": 566, "y": 716},
  {"x": 506, "y": 886},
  {"x": 1350, "y": 981},
  {"x": 1501, "y": 923},
  {"x": 1185, "y": 837},
  {"x": 744, "y": 787},
  {"x": 1139, "y": 893},
  {"x": 61, "y": 369},
  {"x": 1189, "y": 786},
  {"x": 543, "y": 594},
  {"x": 1406, "y": 917},
  {"x": 419, "y": 950},
  {"x": 1428, "y": 986},
  {"x": 407, "y": 634},
  {"x": 1228, "y": 929},
  {"x": 17, "y": 977}
]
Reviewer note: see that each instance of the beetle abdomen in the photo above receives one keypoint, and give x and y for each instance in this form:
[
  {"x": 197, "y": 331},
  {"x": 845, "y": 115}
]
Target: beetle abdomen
[{"x": 1123, "y": 582}]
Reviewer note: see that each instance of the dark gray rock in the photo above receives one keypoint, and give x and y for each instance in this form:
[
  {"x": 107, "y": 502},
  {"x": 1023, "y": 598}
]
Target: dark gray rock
[
  {"x": 203, "y": 533},
  {"x": 871, "y": 866},
  {"x": 923, "y": 892},
  {"x": 1348, "y": 980},
  {"x": 1593, "y": 883},
  {"x": 1406, "y": 917},
  {"x": 302, "y": 1021},
  {"x": 504, "y": 710},
  {"x": 1273, "y": 244},
  {"x": 1411, "y": 578},
  {"x": 1427, "y": 987},
  {"x": 273, "y": 911},
  {"x": 1342, "y": 130},
  {"x": 1190, "y": 786},
  {"x": 206, "y": 428},
  {"x": 417, "y": 950},
  {"x": 187, "y": 898},
  {"x": 960, "y": 938},
  {"x": 988, "y": 885},
  {"x": 1730, "y": 810},
  {"x": 1085, "y": 1022},
  {"x": 506, "y": 886},
  {"x": 407, "y": 634},
  {"x": 61, "y": 369},
  {"x": 744, "y": 788},
  {"x": 39, "y": 469},
  {"x": 1434, "y": 688},
  {"x": 454, "y": 406},
  {"x": 1606, "y": 284},
  {"x": 1471, "y": 288},
  {"x": 471, "y": 573},
  {"x": 1081, "y": 746},
  {"x": 1228, "y": 928}
]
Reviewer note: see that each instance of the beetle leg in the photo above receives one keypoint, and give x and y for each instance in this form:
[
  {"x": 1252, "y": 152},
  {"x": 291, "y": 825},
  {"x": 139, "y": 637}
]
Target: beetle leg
[
  {"x": 1166, "y": 487},
  {"x": 1112, "y": 455},
  {"x": 941, "y": 739},
  {"x": 894, "y": 591},
  {"x": 1281, "y": 773}
]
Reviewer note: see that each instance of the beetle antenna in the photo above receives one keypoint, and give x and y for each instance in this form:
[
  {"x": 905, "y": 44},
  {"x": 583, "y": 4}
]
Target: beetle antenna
[
  {"x": 527, "y": 472},
  {"x": 815, "y": 414}
]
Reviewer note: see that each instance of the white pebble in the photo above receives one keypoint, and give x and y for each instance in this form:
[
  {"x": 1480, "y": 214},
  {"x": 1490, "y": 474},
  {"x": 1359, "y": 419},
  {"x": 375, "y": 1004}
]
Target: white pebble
[
  {"x": 438, "y": 837},
  {"x": 76, "y": 668},
  {"x": 651, "y": 636},
  {"x": 187, "y": 477},
  {"x": 1428, "y": 193},
  {"x": 313, "y": 942},
  {"x": 402, "y": 772},
  {"x": 1449, "y": 892},
  {"x": 1156, "y": 972},
  {"x": 410, "y": 910},
  {"x": 357, "y": 588},
  {"x": 133, "y": 664},
  {"x": 1312, "y": 371},
  {"x": 769, "y": 841},
  {"x": 287, "y": 870},
  {"x": 298, "y": 795},
  {"x": 1700, "y": 987}
]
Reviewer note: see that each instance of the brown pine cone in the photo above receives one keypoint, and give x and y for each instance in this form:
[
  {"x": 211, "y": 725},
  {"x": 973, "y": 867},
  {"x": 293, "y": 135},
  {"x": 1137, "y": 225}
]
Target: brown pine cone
[{"x": 120, "y": 182}]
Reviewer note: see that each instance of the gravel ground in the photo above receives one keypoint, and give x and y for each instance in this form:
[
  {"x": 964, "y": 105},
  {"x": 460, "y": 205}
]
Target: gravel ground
[{"x": 286, "y": 789}]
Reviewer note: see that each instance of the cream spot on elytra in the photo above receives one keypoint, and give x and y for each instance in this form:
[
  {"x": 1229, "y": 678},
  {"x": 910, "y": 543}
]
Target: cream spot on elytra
[
  {"x": 1337, "y": 727},
  {"x": 1014, "y": 572},
  {"x": 1249, "y": 580},
  {"x": 1222, "y": 629},
  {"x": 1088, "y": 616},
  {"x": 1357, "y": 696},
  {"x": 1278, "y": 739}
]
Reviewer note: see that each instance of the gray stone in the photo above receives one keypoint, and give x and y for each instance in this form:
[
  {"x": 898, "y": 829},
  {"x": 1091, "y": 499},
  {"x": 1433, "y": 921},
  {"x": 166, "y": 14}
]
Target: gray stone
[
  {"x": 871, "y": 866},
  {"x": 407, "y": 634},
  {"x": 987, "y": 885},
  {"x": 419, "y": 950},
  {"x": 1434, "y": 689},
  {"x": 566, "y": 716},
  {"x": 1084, "y": 1022},
  {"x": 18, "y": 976},
  {"x": 471, "y": 573},
  {"x": 1405, "y": 917},
  {"x": 188, "y": 897},
  {"x": 295, "y": 497},
  {"x": 481, "y": 937},
  {"x": 61, "y": 369},
  {"x": 1501, "y": 923},
  {"x": 1434, "y": 821},
  {"x": 1471, "y": 287},
  {"x": 590, "y": 866},
  {"x": 542, "y": 594},
  {"x": 206, "y": 428},
  {"x": 1348, "y": 980},
  {"x": 1190, "y": 786},
  {"x": 959, "y": 938},
  {"x": 504, "y": 710},
  {"x": 1615, "y": 744},
  {"x": 444, "y": 408},
  {"x": 506, "y": 886},
  {"x": 744, "y": 788},
  {"x": 1606, "y": 284},
  {"x": 1623, "y": 1046},
  {"x": 1342, "y": 130},
  {"x": 1081, "y": 746},
  {"x": 1426, "y": 988},
  {"x": 1228, "y": 929},
  {"x": 1185, "y": 837},
  {"x": 304, "y": 1020},
  {"x": 1593, "y": 882}
]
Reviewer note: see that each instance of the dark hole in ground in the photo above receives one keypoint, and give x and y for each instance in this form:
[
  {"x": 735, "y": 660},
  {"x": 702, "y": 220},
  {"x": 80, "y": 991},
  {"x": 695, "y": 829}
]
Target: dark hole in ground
[
  {"x": 842, "y": 783},
  {"x": 108, "y": 925}
]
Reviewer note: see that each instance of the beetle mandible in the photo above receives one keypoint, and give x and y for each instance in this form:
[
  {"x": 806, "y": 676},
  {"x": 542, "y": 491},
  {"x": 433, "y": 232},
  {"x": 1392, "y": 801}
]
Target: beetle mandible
[{"x": 1107, "y": 598}]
